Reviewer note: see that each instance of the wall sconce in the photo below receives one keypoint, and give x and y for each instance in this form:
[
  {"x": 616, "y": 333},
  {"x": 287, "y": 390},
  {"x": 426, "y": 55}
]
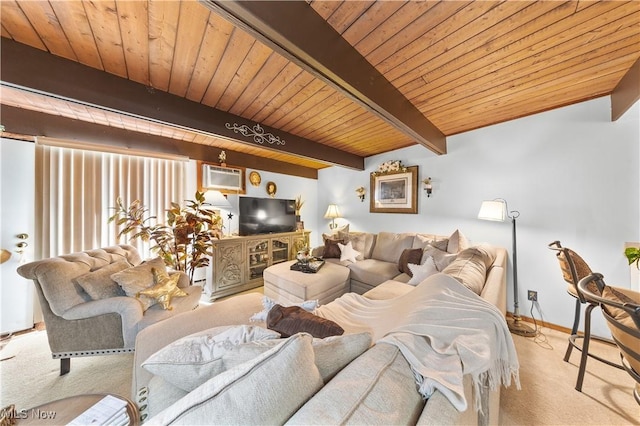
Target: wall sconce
[
  {"x": 361, "y": 192},
  {"x": 332, "y": 213},
  {"x": 428, "y": 188}
]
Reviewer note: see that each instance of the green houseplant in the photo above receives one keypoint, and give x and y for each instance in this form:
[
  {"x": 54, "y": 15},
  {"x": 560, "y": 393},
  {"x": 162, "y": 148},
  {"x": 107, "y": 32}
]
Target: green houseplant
[
  {"x": 184, "y": 242},
  {"x": 633, "y": 255}
]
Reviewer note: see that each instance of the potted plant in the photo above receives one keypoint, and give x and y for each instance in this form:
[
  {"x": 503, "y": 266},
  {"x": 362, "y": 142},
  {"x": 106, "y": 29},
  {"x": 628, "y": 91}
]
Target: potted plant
[
  {"x": 633, "y": 255},
  {"x": 184, "y": 242},
  {"x": 298, "y": 206}
]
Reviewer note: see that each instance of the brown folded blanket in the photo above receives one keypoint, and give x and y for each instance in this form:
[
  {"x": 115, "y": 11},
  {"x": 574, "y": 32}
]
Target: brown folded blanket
[{"x": 293, "y": 319}]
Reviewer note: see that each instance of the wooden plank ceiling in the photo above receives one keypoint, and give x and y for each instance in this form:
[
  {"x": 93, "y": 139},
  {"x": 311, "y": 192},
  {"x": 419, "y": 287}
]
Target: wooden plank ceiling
[{"x": 461, "y": 64}]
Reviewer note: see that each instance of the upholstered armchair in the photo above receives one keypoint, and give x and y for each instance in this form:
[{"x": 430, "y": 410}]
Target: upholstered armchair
[{"x": 91, "y": 300}]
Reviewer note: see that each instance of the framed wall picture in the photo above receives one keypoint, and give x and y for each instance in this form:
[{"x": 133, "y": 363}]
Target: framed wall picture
[{"x": 395, "y": 192}]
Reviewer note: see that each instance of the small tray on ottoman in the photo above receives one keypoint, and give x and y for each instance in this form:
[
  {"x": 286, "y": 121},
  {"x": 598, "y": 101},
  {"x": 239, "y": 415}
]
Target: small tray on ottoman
[{"x": 310, "y": 267}]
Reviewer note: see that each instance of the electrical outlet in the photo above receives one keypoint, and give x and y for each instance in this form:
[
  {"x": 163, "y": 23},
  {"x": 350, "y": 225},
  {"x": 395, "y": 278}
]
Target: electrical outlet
[{"x": 532, "y": 295}]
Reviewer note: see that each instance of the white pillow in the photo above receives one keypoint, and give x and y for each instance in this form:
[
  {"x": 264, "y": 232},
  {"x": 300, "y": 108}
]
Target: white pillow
[
  {"x": 192, "y": 360},
  {"x": 332, "y": 353},
  {"x": 268, "y": 303},
  {"x": 267, "y": 390},
  {"x": 421, "y": 272},
  {"x": 347, "y": 252}
]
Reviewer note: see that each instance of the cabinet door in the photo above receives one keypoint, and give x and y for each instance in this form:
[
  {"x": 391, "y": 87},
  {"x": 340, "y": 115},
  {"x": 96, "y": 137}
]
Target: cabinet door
[
  {"x": 280, "y": 249},
  {"x": 258, "y": 257},
  {"x": 228, "y": 270},
  {"x": 299, "y": 242}
]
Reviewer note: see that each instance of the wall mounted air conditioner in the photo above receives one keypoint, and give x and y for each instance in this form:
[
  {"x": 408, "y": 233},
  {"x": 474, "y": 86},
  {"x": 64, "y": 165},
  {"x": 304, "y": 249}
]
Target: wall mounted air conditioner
[{"x": 225, "y": 179}]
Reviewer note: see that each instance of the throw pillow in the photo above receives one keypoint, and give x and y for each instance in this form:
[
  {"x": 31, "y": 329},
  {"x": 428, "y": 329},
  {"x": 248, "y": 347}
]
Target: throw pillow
[
  {"x": 268, "y": 303},
  {"x": 469, "y": 269},
  {"x": 135, "y": 279},
  {"x": 267, "y": 390},
  {"x": 99, "y": 285},
  {"x": 165, "y": 289},
  {"x": 454, "y": 244},
  {"x": 361, "y": 241},
  {"x": 347, "y": 252},
  {"x": 422, "y": 272},
  {"x": 441, "y": 258},
  {"x": 192, "y": 360},
  {"x": 293, "y": 319},
  {"x": 457, "y": 242},
  {"x": 331, "y": 249},
  {"x": 332, "y": 353},
  {"x": 409, "y": 256},
  {"x": 335, "y": 234}
]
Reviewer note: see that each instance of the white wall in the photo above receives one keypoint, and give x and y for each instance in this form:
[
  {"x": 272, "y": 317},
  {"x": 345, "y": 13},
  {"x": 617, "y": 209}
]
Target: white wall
[
  {"x": 571, "y": 173},
  {"x": 288, "y": 187}
]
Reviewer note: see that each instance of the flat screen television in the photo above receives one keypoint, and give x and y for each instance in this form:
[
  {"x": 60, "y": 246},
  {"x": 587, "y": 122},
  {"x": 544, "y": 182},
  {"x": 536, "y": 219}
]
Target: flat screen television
[{"x": 266, "y": 215}]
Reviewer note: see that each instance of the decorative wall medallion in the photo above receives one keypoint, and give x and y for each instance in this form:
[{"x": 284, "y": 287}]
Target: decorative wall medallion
[
  {"x": 271, "y": 189},
  {"x": 256, "y": 132},
  {"x": 254, "y": 178}
]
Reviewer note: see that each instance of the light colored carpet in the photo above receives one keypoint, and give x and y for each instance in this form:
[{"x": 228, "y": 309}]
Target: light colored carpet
[
  {"x": 548, "y": 395},
  {"x": 30, "y": 377}
]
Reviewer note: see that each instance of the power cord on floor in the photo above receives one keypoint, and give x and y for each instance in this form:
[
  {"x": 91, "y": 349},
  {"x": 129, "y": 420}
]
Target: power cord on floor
[{"x": 540, "y": 338}]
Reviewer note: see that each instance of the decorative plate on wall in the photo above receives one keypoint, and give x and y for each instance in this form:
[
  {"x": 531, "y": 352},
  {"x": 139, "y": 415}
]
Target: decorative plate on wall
[
  {"x": 254, "y": 178},
  {"x": 271, "y": 189}
]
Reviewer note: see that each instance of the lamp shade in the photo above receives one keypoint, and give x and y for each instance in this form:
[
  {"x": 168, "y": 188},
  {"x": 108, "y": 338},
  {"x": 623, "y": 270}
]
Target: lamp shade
[
  {"x": 216, "y": 199},
  {"x": 332, "y": 212},
  {"x": 493, "y": 210}
]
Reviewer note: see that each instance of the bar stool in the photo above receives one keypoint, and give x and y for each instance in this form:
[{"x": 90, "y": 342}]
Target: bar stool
[{"x": 574, "y": 268}]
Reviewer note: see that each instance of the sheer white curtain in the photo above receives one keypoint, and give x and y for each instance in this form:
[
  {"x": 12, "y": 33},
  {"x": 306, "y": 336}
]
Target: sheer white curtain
[{"x": 77, "y": 189}]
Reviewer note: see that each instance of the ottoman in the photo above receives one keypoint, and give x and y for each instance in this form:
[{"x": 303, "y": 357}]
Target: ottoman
[{"x": 284, "y": 285}]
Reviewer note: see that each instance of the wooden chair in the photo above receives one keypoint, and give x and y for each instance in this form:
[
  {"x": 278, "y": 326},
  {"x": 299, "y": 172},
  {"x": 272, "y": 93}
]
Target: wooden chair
[
  {"x": 574, "y": 268},
  {"x": 621, "y": 309}
]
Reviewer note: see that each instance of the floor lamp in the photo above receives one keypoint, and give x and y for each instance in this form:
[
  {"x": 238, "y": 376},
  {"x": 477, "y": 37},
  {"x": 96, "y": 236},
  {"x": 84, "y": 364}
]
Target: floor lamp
[{"x": 496, "y": 210}]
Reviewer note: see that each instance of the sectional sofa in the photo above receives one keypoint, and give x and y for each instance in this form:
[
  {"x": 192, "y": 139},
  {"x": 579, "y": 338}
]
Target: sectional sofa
[{"x": 353, "y": 378}]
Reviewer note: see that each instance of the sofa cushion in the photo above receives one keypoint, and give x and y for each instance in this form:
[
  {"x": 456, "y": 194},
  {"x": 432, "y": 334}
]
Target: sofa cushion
[
  {"x": 190, "y": 361},
  {"x": 99, "y": 285},
  {"x": 293, "y": 319},
  {"x": 389, "y": 289},
  {"x": 161, "y": 395},
  {"x": 137, "y": 278},
  {"x": 389, "y": 246},
  {"x": 331, "y": 248},
  {"x": 373, "y": 272},
  {"x": 332, "y": 353},
  {"x": 257, "y": 392},
  {"x": 361, "y": 241},
  {"x": 422, "y": 272},
  {"x": 422, "y": 240},
  {"x": 470, "y": 268},
  {"x": 377, "y": 388},
  {"x": 409, "y": 256}
]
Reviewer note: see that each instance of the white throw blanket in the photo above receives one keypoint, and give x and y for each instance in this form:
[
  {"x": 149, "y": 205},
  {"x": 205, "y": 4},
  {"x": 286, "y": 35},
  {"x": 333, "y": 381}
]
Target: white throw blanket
[{"x": 443, "y": 329}]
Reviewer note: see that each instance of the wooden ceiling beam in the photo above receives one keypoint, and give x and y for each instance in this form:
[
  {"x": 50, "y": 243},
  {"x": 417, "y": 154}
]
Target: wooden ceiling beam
[
  {"x": 295, "y": 30},
  {"x": 32, "y": 69},
  {"x": 26, "y": 122},
  {"x": 626, "y": 93}
]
